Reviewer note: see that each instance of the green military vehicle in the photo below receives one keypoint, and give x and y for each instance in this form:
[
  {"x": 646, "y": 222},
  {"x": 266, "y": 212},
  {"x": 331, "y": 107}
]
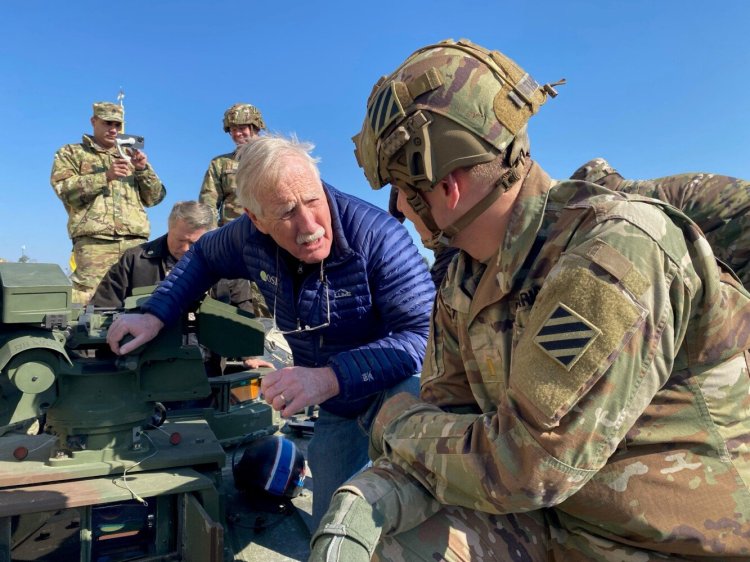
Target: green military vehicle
[{"x": 93, "y": 466}]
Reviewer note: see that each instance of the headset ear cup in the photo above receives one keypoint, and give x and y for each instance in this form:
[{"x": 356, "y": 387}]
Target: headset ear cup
[{"x": 270, "y": 465}]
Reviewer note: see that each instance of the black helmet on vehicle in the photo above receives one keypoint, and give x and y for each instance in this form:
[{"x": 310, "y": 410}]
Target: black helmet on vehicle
[{"x": 272, "y": 465}]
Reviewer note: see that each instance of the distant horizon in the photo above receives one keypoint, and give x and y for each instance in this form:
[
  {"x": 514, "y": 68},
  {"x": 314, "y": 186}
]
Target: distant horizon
[{"x": 651, "y": 86}]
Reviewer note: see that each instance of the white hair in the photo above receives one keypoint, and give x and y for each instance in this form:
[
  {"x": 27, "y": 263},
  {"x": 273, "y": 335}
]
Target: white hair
[{"x": 261, "y": 162}]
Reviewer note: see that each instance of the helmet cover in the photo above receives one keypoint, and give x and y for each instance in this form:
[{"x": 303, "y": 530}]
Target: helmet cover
[{"x": 243, "y": 114}]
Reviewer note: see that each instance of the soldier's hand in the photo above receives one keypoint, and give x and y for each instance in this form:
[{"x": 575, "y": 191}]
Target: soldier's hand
[
  {"x": 349, "y": 531},
  {"x": 139, "y": 160},
  {"x": 143, "y": 328},
  {"x": 120, "y": 168},
  {"x": 291, "y": 389}
]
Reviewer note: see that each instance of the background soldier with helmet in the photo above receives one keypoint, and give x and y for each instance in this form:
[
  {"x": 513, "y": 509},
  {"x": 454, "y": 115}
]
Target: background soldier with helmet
[
  {"x": 720, "y": 206},
  {"x": 584, "y": 394},
  {"x": 243, "y": 122},
  {"x": 104, "y": 196}
]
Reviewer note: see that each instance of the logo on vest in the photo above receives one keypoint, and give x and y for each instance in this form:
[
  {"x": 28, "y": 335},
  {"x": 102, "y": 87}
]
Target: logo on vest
[{"x": 270, "y": 279}]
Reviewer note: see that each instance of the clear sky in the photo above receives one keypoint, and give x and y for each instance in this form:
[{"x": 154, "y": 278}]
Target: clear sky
[{"x": 655, "y": 86}]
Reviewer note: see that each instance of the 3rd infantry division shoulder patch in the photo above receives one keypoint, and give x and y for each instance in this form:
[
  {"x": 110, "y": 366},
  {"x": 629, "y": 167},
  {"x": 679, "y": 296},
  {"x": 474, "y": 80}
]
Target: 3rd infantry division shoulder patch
[{"x": 565, "y": 336}]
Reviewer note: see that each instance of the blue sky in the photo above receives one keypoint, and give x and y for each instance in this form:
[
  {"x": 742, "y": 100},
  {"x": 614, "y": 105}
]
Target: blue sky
[{"x": 657, "y": 87}]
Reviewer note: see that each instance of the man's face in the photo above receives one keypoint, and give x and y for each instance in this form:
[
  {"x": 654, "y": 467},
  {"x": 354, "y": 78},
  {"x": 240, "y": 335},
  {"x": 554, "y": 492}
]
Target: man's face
[
  {"x": 241, "y": 134},
  {"x": 296, "y": 214},
  {"x": 105, "y": 132},
  {"x": 181, "y": 236}
]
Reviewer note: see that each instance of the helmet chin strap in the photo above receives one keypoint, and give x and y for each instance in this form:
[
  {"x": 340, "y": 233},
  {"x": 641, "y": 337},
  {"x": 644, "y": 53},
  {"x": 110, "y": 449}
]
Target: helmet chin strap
[{"x": 443, "y": 237}]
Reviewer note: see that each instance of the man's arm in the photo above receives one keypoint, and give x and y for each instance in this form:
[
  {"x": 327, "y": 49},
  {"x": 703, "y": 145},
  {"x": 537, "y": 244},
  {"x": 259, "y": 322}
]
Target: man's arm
[
  {"x": 74, "y": 187},
  {"x": 116, "y": 285},
  {"x": 143, "y": 328},
  {"x": 402, "y": 293},
  {"x": 210, "y": 193},
  {"x": 149, "y": 186},
  {"x": 546, "y": 438}
]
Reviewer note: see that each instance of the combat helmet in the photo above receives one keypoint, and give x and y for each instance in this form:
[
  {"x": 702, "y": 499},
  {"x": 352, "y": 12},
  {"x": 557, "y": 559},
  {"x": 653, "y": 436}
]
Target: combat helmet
[
  {"x": 243, "y": 114},
  {"x": 450, "y": 105}
]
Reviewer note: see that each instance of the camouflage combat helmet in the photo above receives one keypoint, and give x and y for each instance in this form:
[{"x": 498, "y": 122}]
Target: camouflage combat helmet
[
  {"x": 243, "y": 114},
  {"x": 449, "y": 105}
]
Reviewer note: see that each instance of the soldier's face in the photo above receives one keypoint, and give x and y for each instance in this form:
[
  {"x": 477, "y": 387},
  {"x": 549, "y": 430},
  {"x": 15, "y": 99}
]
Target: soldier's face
[
  {"x": 105, "y": 132},
  {"x": 181, "y": 236},
  {"x": 241, "y": 134},
  {"x": 296, "y": 214}
]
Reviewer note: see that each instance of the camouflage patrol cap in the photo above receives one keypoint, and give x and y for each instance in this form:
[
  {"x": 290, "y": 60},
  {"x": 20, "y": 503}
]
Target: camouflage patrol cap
[
  {"x": 108, "y": 111},
  {"x": 449, "y": 105},
  {"x": 243, "y": 114}
]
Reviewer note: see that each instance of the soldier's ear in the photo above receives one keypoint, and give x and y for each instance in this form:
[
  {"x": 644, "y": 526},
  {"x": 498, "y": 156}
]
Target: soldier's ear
[
  {"x": 451, "y": 189},
  {"x": 257, "y": 221}
]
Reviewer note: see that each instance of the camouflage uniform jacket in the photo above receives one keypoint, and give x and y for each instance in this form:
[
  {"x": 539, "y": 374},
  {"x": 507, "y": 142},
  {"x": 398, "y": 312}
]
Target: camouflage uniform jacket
[
  {"x": 719, "y": 204},
  {"x": 594, "y": 370},
  {"x": 95, "y": 207},
  {"x": 219, "y": 189}
]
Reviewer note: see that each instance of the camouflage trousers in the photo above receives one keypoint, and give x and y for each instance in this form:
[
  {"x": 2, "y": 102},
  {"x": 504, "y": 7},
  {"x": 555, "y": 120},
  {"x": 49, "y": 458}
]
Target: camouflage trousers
[
  {"x": 456, "y": 534},
  {"x": 93, "y": 258}
]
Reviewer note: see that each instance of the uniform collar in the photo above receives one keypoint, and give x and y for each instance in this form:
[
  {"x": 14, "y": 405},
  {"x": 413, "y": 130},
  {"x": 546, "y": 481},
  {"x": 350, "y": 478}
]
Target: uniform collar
[{"x": 482, "y": 285}]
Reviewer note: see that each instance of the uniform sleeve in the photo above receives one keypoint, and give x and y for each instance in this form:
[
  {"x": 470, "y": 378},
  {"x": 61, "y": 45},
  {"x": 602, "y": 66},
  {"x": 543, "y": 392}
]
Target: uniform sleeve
[
  {"x": 598, "y": 343},
  {"x": 74, "y": 188},
  {"x": 210, "y": 194},
  {"x": 149, "y": 186}
]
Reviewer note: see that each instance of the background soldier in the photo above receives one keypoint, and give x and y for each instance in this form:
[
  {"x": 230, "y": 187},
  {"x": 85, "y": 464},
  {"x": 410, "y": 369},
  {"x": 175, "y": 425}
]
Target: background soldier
[
  {"x": 243, "y": 122},
  {"x": 104, "y": 196},
  {"x": 584, "y": 394},
  {"x": 720, "y": 205}
]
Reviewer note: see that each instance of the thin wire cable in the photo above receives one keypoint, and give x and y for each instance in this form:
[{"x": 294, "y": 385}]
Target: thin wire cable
[{"x": 125, "y": 471}]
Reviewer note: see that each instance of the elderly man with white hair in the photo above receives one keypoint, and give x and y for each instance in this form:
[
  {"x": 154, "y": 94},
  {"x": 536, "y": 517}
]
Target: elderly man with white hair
[{"x": 345, "y": 284}]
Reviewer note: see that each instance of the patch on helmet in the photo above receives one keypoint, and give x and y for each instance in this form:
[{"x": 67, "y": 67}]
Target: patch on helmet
[
  {"x": 565, "y": 336},
  {"x": 385, "y": 109}
]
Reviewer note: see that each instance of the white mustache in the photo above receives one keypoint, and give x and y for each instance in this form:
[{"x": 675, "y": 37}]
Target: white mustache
[{"x": 307, "y": 238}]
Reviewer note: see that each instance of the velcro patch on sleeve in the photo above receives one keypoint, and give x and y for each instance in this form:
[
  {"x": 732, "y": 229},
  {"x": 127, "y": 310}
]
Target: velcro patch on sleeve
[{"x": 579, "y": 325}]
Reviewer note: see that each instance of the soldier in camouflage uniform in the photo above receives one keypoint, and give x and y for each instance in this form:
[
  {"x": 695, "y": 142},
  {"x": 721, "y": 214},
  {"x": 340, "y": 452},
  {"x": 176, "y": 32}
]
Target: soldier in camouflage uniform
[
  {"x": 585, "y": 391},
  {"x": 720, "y": 205},
  {"x": 104, "y": 196},
  {"x": 243, "y": 122}
]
